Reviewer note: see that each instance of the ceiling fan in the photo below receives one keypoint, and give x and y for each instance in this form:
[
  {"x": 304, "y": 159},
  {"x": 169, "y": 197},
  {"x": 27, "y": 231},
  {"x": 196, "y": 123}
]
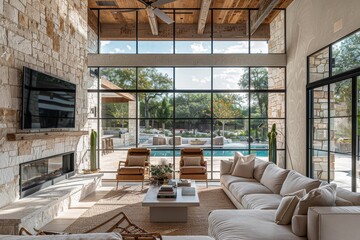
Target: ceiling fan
[{"x": 153, "y": 8}]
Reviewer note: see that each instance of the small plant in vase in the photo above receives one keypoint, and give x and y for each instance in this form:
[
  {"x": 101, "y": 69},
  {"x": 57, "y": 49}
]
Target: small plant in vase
[{"x": 161, "y": 172}]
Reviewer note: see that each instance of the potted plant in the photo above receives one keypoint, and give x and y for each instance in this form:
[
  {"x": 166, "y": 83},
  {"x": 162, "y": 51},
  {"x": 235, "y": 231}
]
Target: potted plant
[{"x": 160, "y": 173}]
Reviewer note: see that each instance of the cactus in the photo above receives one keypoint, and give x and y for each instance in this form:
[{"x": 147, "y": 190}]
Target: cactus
[
  {"x": 272, "y": 144},
  {"x": 93, "y": 136}
]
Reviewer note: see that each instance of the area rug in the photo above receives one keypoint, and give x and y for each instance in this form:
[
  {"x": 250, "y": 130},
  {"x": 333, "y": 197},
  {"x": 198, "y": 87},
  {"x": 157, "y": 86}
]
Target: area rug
[{"x": 128, "y": 200}]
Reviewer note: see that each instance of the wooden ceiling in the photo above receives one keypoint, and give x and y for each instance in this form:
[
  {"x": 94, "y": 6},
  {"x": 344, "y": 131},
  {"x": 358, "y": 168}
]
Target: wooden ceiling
[{"x": 187, "y": 12}]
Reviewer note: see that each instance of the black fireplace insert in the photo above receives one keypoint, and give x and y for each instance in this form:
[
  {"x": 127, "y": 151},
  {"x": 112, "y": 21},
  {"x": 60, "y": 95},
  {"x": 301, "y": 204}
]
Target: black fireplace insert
[{"x": 41, "y": 173}]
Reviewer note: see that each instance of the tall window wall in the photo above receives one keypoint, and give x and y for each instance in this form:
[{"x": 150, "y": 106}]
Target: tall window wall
[
  {"x": 333, "y": 114},
  {"x": 220, "y": 109},
  {"x": 127, "y": 31}
]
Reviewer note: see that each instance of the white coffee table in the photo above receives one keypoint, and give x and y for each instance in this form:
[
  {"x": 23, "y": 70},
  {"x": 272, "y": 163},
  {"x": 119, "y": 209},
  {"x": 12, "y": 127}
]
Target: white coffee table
[{"x": 169, "y": 209}]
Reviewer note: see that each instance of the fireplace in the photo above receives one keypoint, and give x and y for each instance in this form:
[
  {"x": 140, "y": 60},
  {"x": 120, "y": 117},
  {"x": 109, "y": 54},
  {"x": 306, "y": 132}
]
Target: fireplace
[{"x": 41, "y": 173}]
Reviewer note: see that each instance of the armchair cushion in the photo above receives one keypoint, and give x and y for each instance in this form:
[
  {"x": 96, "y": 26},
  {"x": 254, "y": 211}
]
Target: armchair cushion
[
  {"x": 193, "y": 170},
  {"x": 192, "y": 161},
  {"x": 134, "y": 160},
  {"x": 131, "y": 170}
]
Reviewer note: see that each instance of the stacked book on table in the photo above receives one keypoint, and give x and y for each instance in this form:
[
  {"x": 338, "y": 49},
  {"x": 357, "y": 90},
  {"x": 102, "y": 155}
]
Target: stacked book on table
[{"x": 167, "y": 191}]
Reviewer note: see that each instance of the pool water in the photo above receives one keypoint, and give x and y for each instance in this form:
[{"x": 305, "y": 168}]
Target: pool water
[{"x": 207, "y": 153}]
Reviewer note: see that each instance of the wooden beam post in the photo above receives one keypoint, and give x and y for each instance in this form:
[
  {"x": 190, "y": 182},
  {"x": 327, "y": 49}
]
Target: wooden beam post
[
  {"x": 152, "y": 21},
  {"x": 258, "y": 17},
  {"x": 204, "y": 11}
]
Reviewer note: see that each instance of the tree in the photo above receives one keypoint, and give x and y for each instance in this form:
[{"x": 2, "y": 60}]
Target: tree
[
  {"x": 258, "y": 80},
  {"x": 164, "y": 113},
  {"x": 148, "y": 78},
  {"x": 120, "y": 111},
  {"x": 224, "y": 109}
]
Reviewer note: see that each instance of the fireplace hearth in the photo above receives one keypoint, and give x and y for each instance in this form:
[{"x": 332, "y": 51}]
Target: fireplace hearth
[{"x": 41, "y": 173}]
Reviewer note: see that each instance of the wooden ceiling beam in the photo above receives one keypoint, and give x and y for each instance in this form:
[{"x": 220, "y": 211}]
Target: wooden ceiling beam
[
  {"x": 258, "y": 17},
  {"x": 204, "y": 11},
  {"x": 152, "y": 21}
]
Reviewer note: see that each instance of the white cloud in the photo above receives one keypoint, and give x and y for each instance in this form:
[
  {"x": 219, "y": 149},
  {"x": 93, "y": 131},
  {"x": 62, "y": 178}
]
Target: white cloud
[
  {"x": 199, "y": 48},
  {"x": 200, "y": 80},
  {"x": 104, "y": 43}
]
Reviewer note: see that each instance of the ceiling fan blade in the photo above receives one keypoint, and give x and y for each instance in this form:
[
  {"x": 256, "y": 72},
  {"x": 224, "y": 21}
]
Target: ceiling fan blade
[
  {"x": 159, "y": 3},
  {"x": 160, "y": 14}
]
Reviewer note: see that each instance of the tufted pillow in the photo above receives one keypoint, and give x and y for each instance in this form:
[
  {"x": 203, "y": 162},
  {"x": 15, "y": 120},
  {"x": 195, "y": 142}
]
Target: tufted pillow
[
  {"x": 322, "y": 196},
  {"x": 274, "y": 177},
  {"x": 192, "y": 161},
  {"x": 244, "y": 169},
  {"x": 136, "y": 160}
]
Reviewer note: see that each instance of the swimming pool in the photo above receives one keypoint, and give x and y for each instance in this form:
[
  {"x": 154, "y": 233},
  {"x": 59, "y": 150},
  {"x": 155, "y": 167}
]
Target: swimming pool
[{"x": 207, "y": 153}]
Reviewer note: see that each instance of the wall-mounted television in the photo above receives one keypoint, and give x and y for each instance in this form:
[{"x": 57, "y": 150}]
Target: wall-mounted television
[{"x": 47, "y": 101}]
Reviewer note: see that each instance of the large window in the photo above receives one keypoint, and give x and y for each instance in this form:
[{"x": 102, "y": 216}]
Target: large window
[
  {"x": 225, "y": 31},
  {"x": 333, "y": 113},
  {"x": 219, "y": 109}
]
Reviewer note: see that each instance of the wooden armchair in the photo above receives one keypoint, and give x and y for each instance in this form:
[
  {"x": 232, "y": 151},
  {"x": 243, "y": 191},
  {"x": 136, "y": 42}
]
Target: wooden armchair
[
  {"x": 193, "y": 165},
  {"x": 135, "y": 166}
]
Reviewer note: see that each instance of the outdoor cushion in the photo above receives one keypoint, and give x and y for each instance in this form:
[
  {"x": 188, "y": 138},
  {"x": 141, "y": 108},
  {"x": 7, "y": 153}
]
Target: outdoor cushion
[
  {"x": 193, "y": 169},
  {"x": 239, "y": 189},
  {"x": 251, "y": 224},
  {"x": 192, "y": 161},
  {"x": 259, "y": 168},
  {"x": 261, "y": 201},
  {"x": 131, "y": 170},
  {"x": 295, "y": 181},
  {"x": 226, "y": 180},
  {"x": 136, "y": 160},
  {"x": 273, "y": 177},
  {"x": 244, "y": 169},
  {"x": 322, "y": 196}
]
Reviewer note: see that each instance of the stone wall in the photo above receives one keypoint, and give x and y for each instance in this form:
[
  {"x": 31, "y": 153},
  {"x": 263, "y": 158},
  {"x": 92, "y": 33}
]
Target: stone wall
[
  {"x": 319, "y": 65},
  {"x": 51, "y": 37}
]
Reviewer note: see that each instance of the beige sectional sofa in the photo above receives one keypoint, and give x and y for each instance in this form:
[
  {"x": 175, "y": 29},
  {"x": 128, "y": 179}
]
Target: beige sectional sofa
[{"x": 258, "y": 198}]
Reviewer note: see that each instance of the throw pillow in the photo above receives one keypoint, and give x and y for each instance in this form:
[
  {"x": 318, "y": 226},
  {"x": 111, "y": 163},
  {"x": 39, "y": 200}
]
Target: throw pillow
[
  {"x": 299, "y": 225},
  {"x": 295, "y": 181},
  {"x": 236, "y": 159},
  {"x": 244, "y": 169},
  {"x": 342, "y": 202},
  {"x": 273, "y": 177},
  {"x": 136, "y": 160},
  {"x": 259, "y": 168},
  {"x": 225, "y": 167},
  {"x": 299, "y": 193},
  {"x": 192, "y": 161},
  {"x": 353, "y": 197},
  {"x": 322, "y": 196},
  {"x": 286, "y": 209}
]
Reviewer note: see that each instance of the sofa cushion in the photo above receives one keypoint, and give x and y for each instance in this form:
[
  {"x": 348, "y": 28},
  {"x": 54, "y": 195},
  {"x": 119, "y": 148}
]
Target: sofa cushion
[
  {"x": 299, "y": 225},
  {"x": 193, "y": 169},
  {"x": 192, "y": 161},
  {"x": 259, "y": 168},
  {"x": 350, "y": 196},
  {"x": 239, "y": 189},
  {"x": 286, "y": 209},
  {"x": 248, "y": 224},
  {"x": 261, "y": 201},
  {"x": 244, "y": 169},
  {"x": 131, "y": 170},
  {"x": 295, "y": 181},
  {"x": 322, "y": 196},
  {"x": 225, "y": 167},
  {"x": 274, "y": 177},
  {"x": 226, "y": 180}
]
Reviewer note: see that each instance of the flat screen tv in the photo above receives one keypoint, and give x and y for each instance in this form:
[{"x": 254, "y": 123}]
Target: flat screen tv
[{"x": 47, "y": 101}]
